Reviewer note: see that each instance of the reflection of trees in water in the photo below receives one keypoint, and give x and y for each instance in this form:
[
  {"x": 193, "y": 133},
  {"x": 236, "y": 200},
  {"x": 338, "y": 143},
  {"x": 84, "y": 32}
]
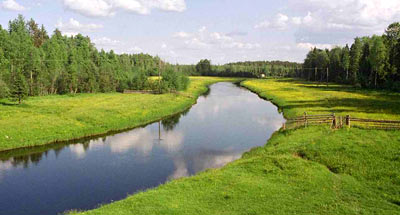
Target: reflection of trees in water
[
  {"x": 207, "y": 93},
  {"x": 171, "y": 122},
  {"x": 25, "y": 157}
]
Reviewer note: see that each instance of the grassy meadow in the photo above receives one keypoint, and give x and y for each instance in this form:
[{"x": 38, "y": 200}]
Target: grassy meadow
[
  {"x": 313, "y": 170},
  {"x": 41, "y": 120},
  {"x": 295, "y": 97}
]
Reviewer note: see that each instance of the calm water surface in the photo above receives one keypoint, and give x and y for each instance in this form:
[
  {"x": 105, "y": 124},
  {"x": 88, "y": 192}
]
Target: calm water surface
[{"x": 218, "y": 129}]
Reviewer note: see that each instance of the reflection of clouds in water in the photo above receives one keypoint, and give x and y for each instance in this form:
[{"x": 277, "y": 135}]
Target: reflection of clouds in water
[
  {"x": 181, "y": 169},
  {"x": 139, "y": 139},
  {"x": 97, "y": 144},
  {"x": 4, "y": 166},
  {"x": 273, "y": 123},
  {"x": 78, "y": 150},
  {"x": 172, "y": 141},
  {"x": 203, "y": 160},
  {"x": 214, "y": 159}
]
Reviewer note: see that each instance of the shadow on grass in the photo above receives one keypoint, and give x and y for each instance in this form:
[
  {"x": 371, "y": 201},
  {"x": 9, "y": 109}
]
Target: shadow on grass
[{"x": 362, "y": 105}]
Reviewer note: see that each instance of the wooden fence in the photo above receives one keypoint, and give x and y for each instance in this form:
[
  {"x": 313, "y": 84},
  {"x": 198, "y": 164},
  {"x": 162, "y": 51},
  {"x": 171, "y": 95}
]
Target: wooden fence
[{"x": 339, "y": 122}]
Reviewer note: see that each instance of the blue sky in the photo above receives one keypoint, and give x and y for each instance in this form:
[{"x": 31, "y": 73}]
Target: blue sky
[{"x": 185, "y": 31}]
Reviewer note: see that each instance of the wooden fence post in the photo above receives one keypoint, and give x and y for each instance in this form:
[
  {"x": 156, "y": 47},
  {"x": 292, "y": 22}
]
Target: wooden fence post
[
  {"x": 305, "y": 119},
  {"x": 334, "y": 123},
  {"x": 341, "y": 122},
  {"x": 348, "y": 121}
]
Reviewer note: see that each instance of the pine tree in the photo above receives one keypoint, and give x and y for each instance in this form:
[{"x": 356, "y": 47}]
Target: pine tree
[{"x": 19, "y": 88}]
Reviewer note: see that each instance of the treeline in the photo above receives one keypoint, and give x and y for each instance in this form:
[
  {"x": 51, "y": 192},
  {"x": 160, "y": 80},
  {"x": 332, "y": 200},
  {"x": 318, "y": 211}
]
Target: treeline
[
  {"x": 251, "y": 69},
  {"x": 370, "y": 62},
  {"x": 32, "y": 63}
]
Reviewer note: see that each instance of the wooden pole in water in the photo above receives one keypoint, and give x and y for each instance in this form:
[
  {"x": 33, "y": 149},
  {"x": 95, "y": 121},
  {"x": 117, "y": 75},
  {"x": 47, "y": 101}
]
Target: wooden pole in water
[{"x": 159, "y": 130}]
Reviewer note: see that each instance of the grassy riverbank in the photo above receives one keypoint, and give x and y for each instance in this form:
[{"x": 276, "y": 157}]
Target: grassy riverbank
[
  {"x": 314, "y": 170},
  {"x": 41, "y": 120}
]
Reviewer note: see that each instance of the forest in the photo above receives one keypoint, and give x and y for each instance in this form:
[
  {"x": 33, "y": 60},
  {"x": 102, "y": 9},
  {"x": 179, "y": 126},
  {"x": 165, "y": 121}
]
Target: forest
[
  {"x": 370, "y": 62},
  {"x": 250, "y": 69},
  {"x": 32, "y": 63}
]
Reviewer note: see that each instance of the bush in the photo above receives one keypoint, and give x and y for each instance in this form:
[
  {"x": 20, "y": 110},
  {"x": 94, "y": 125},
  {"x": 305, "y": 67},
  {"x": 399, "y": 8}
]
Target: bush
[{"x": 174, "y": 81}]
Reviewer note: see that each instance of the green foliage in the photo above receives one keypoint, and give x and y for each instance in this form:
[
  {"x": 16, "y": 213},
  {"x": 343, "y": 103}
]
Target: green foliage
[
  {"x": 19, "y": 88},
  {"x": 139, "y": 81},
  {"x": 204, "y": 67},
  {"x": 173, "y": 80},
  {"x": 370, "y": 62},
  {"x": 60, "y": 65},
  {"x": 4, "y": 91},
  {"x": 249, "y": 69}
]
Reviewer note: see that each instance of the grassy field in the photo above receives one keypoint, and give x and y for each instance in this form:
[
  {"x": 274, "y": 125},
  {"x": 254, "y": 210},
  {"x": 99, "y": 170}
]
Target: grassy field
[
  {"x": 41, "y": 120},
  {"x": 314, "y": 170},
  {"x": 296, "y": 97}
]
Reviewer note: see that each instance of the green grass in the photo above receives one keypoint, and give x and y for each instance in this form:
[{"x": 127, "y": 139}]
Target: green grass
[
  {"x": 296, "y": 97},
  {"x": 315, "y": 170},
  {"x": 41, "y": 120}
]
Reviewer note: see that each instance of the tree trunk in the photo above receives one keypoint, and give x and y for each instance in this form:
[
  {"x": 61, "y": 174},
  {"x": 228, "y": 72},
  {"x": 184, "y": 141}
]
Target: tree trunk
[{"x": 31, "y": 85}]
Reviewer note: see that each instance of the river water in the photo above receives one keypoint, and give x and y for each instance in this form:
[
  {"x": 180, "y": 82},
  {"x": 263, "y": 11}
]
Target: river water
[{"x": 225, "y": 123}]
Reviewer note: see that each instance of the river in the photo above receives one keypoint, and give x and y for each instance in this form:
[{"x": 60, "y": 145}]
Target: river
[{"x": 226, "y": 122}]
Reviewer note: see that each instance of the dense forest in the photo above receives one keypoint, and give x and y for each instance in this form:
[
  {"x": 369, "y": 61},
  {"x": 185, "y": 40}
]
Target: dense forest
[
  {"x": 251, "y": 69},
  {"x": 370, "y": 62},
  {"x": 32, "y": 63}
]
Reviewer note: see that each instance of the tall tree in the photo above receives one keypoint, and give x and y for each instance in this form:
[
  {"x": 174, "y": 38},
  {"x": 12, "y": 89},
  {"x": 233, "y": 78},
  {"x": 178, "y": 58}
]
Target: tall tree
[
  {"x": 19, "y": 88},
  {"x": 365, "y": 65},
  {"x": 378, "y": 58},
  {"x": 355, "y": 58},
  {"x": 345, "y": 61}
]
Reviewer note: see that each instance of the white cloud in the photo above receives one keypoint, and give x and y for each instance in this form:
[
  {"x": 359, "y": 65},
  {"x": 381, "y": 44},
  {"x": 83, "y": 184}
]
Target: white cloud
[
  {"x": 11, "y": 5},
  {"x": 104, "y": 8},
  {"x": 213, "y": 40},
  {"x": 73, "y": 27},
  {"x": 105, "y": 41},
  {"x": 338, "y": 22},
  {"x": 308, "y": 46},
  {"x": 280, "y": 22},
  {"x": 181, "y": 34},
  {"x": 117, "y": 46}
]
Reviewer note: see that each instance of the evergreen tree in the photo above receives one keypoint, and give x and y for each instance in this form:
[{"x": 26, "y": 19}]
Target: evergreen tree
[
  {"x": 365, "y": 66},
  {"x": 19, "y": 88}
]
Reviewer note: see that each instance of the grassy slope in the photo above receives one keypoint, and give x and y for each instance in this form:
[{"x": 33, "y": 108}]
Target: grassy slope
[
  {"x": 41, "y": 120},
  {"x": 306, "y": 171}
]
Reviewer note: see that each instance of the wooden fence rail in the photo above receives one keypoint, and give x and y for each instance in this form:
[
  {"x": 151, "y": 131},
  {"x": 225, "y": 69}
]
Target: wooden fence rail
[{"x": 337, "y": 122}]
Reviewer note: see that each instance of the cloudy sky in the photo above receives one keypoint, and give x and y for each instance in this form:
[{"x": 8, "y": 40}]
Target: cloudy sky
[{"x": 185, "y": 31}]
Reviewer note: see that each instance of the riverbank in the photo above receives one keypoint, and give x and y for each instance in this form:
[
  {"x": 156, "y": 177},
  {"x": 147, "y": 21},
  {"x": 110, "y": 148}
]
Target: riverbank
[
  {"x": 314, "y": 170},
  {"x": 44, "y": 120}
]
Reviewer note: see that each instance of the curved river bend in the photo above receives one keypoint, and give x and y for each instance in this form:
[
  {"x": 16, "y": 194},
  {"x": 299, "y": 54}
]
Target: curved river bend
[{"x": 48, "y": 180}]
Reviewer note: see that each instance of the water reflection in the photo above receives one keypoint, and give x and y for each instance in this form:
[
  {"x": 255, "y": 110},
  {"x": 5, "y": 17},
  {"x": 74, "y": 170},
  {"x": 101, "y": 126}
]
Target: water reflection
[{"x": 54, "y": 178}]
